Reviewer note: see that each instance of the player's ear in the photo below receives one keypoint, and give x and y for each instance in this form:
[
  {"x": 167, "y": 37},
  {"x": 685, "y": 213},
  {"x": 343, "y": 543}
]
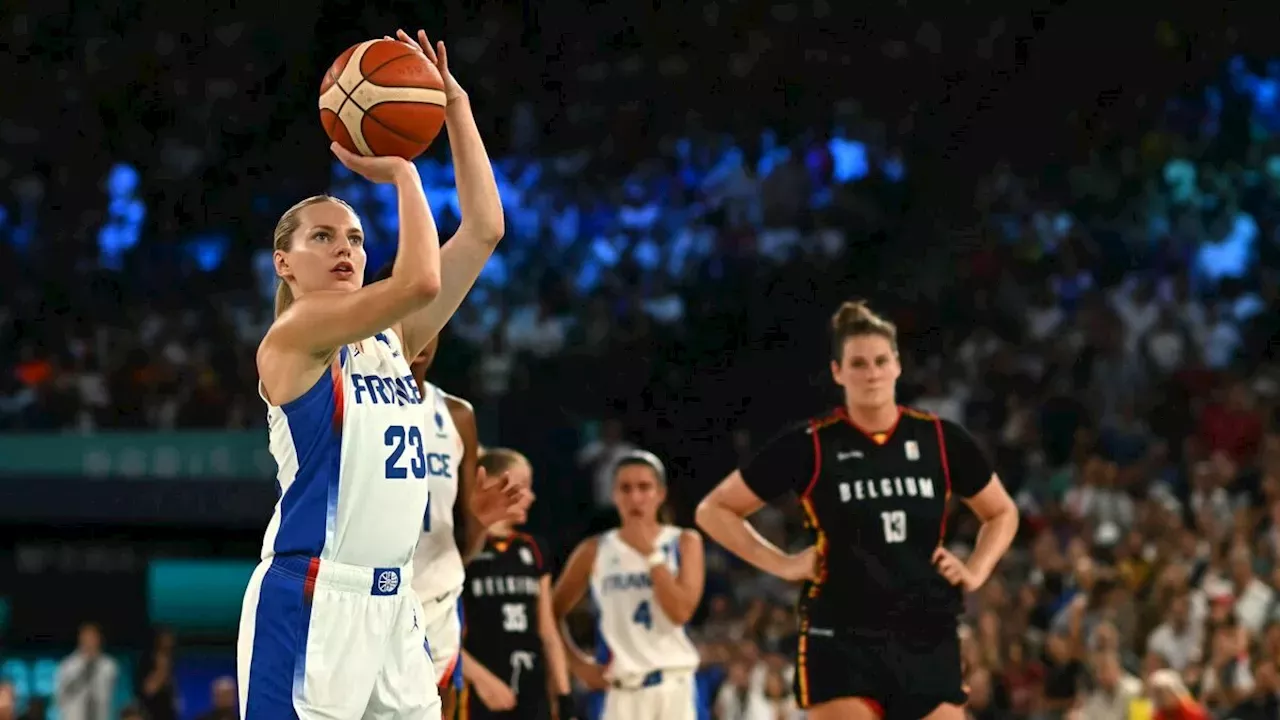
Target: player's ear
[
  {"x": 835, "y": 372},
  {"x": 280, "y": 259}
]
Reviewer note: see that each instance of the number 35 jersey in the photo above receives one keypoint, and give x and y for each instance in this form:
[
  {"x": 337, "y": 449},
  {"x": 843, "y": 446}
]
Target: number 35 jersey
[
  {"x": 637, "y": 636},
  {"x": 877, "y": 504},
  {"x": 353, "y": 468},
  {"x": 500, "y": 604}
]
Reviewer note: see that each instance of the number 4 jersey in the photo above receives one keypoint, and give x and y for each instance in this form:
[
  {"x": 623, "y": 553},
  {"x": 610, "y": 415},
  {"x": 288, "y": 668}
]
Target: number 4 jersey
[
  {"x": 500, "y": 603},
  {"x": 637, "y": 636}
]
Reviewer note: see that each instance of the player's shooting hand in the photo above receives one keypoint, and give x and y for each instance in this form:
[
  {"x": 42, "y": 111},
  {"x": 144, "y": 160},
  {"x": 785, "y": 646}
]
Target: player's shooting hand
[
  {"x": 438, "y": 57},
  {"x": 955, "y": 571},
  {"x": 802, "y": 565},
  {"x": 379, "y": 169},
  {"x": 495, "y": 694}
]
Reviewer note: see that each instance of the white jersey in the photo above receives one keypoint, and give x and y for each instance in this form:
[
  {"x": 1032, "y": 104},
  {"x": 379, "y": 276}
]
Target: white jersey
[
  {"x": 637, "y": 634},
  {"x": 353, "y": 463},
  {"x": 437, "y": 564}
]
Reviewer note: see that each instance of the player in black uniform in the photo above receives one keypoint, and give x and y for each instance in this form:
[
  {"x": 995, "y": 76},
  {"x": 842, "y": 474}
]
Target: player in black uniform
[
  {"x": 512, "y": 656},
  {"x": 878, "y": 636}
]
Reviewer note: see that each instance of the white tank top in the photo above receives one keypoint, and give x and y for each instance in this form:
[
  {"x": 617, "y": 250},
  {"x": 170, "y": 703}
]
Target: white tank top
[
  {"x": 437, "y": 564},
  {"x": 353, "y": 473},
  {"x": 638, "y": 636}
]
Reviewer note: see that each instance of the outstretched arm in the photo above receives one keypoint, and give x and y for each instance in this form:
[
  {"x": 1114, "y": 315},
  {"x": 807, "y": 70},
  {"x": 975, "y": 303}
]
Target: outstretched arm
[{"x": 483, "y": 223}]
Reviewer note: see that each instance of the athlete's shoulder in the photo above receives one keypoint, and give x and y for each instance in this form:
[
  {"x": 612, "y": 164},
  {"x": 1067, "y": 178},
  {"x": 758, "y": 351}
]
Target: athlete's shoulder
[
  {"x": 531, "y": 541},
  {"x": 457, "y": 405},
  {"x": 824, "y": 421},
  {"x": 919, "y": 417}
]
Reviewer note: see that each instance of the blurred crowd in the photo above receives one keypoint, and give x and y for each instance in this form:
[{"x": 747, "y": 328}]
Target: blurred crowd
[{"x": 1107, "y": 331}]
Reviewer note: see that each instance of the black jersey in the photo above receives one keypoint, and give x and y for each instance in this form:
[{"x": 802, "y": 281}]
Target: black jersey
[
  {"x": 500, "y": 603},
  {"x": 877, "y": 504}
]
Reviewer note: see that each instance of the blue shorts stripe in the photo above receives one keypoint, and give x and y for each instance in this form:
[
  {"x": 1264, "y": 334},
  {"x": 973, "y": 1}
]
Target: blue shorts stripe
[{"x": 281, "y": 626}]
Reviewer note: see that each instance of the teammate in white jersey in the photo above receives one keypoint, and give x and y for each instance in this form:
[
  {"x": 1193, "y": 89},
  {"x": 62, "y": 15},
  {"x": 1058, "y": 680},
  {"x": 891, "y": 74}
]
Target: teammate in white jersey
[
  {"x": 646, "y": 580},
  {"x": 438, "y": 563},
  {"x": 329, "y": 629}
]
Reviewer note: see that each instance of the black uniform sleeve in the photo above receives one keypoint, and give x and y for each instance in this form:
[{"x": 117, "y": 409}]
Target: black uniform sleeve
[
  {"x": 785, "y": 463},
  {"x": 539, "y": 548},
  {"x": 968, "y": 465}
]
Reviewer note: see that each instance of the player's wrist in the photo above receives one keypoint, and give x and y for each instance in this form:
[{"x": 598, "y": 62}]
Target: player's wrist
[{"x": 655, "y": 559}]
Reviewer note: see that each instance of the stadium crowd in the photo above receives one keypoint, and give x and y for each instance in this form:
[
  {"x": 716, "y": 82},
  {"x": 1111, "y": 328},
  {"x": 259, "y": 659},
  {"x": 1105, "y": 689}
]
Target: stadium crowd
[{"x": 1108, "y": 337}]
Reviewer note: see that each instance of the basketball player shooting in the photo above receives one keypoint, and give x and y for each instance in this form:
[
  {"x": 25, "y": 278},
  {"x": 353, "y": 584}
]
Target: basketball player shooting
[{"x": 329, "y": 627}]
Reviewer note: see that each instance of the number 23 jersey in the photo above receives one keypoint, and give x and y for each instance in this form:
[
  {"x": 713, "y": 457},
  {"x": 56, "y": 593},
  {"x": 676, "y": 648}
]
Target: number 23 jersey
[
  {"x": 352, "y": 468},
  {"x": 637, "y": 635},
  {"x": 877, "y": 504}
]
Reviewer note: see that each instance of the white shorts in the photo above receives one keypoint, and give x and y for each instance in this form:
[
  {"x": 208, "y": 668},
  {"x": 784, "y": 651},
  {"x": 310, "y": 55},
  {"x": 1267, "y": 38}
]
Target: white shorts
[
  {"x": 662, "y": 695},
  {"x": 442, "y": 621},
  {"x": 326, "y": 641}
]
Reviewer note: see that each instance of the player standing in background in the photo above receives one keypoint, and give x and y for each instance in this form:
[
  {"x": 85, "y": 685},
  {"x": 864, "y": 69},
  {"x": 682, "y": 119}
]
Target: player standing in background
[
  {"x": 646, "y": 579},
  {"x": 514, "y": 662},
  {"x": 328, "y": 629},
  {"x": 878, "y": 618}
]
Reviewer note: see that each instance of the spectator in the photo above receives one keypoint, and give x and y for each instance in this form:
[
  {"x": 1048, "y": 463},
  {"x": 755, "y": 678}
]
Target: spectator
[
  {"x": 156, "y": 692},
  {"x": 226, "y": 704},
  {"x": 1114, "y": 692},
  {"x": 85, "y": 682}
]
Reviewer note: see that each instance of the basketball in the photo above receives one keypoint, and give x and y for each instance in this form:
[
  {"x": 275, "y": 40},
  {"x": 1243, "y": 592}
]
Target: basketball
[{"x": 382, "y": 97}]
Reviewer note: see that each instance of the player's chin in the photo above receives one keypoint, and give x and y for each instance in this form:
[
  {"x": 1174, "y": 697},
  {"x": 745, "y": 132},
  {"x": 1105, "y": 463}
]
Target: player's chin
[{"x": 349, "y": 280}]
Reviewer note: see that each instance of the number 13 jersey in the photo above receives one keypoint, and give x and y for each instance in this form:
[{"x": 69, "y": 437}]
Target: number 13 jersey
[
  {"x": 353, "y": 469},
  {"x": 637, "y": 636},
  {"x": 877, "y": 503}
]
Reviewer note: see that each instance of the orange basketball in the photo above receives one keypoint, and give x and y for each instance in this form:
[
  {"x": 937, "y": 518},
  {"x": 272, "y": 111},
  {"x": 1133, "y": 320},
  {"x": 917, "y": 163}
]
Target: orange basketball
[{"x": 382, "y": 97}]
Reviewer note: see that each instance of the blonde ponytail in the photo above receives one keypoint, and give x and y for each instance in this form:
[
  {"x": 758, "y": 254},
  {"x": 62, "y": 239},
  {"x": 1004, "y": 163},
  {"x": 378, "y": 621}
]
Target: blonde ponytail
[
  {"x": 286, "y": 226},
  {"x": 284, "y": 297}
]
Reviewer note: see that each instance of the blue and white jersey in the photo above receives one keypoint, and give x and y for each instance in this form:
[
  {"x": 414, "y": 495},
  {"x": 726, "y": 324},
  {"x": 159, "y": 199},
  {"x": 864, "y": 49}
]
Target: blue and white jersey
[
  {"x": 638, "y": 636},
  {"x": 353, "y": 461},
  {"x": 437, "y": 563}
]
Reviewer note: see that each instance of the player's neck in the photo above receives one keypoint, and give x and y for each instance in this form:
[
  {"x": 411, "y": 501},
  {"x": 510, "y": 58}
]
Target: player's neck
[
  {"x": 501, "y": 531},
  {"x": 872, "y": 419},
  {"x": 642, "y": 529}
]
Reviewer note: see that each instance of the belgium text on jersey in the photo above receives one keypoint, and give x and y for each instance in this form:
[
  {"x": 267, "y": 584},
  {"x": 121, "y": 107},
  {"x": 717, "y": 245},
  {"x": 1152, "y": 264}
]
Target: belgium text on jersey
[{"x": 872, "y": 489}]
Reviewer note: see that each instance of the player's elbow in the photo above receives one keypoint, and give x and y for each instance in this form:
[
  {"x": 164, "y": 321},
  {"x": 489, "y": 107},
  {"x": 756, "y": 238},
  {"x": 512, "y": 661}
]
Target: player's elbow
[
  {"x": 489, "y": 230},
  {"x": 426, "y": 287},
  {"x": 705, "y": 515}
]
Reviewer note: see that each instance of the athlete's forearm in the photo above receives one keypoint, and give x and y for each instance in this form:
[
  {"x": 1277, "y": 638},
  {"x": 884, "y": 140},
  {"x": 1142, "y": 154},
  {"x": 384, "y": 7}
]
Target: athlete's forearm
[
  {"x": 473, "y": 536},
  {"x": 478, "y": 196},
  {"x": 573, "y": 653},
  {"x": 557, "y": 663},
  {"x": 736, "y": 535},
  {"x": 994, "y": 538},
  {"x": 676, "y": 603},
  {"x": 473, "y": 671}
]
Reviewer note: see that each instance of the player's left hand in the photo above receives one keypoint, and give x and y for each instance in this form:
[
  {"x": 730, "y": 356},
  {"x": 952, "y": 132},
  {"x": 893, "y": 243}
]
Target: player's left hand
[
  {"x": 438, "y": 57},
  {"x": 955, "y": 571},
  {"x": 498, "y": 500}
]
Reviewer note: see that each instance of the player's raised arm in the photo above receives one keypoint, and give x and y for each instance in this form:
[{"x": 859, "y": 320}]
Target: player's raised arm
[
  {"x": 483, "y": 224},
  {"x": 319, "y": 242},
  {"x": 784, "y": 465},
  {"x": 570, "y": 587}
]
